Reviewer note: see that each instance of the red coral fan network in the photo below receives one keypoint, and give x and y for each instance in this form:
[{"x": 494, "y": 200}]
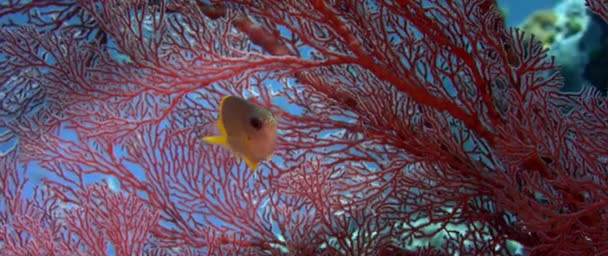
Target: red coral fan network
[
  {"x": 600, "y": 7},
  {"x": 407, "y": 127}
]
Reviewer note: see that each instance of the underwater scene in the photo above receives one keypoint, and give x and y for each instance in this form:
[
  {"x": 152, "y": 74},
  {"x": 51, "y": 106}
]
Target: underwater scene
[{"x": 303, "y": 127}]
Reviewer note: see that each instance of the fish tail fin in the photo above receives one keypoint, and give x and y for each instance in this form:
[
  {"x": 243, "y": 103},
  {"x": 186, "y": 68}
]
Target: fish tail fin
[
  {"x": 251, "y": 164},
  {"x": 219, "y": 140}
]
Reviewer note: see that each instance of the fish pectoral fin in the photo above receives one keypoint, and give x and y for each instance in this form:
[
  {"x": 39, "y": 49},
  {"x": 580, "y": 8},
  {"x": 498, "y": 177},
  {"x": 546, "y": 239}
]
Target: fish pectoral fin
[
  {"x": 269, "y": 157},
  {"x": 251, "y": 164},
  {"x": 219, "y": 140}
]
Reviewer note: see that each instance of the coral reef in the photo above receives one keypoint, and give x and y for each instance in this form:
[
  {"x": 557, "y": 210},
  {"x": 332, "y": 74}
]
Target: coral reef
[
  {"x": 408, "y": 128},
  {"x": 541, "y": 24},
  {"x": 578, "y": 38}
]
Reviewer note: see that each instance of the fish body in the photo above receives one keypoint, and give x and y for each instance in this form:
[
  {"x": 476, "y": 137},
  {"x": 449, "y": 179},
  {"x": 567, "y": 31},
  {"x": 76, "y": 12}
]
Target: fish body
[{"x": 246, "y": 129}]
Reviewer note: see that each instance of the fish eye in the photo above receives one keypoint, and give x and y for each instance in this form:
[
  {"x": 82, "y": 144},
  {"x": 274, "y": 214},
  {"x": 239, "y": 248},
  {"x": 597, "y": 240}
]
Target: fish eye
[{"x": 255, "y": 123}]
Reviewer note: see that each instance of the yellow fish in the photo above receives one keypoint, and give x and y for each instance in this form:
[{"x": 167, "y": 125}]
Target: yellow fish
[{"x": 246, "y": 129}]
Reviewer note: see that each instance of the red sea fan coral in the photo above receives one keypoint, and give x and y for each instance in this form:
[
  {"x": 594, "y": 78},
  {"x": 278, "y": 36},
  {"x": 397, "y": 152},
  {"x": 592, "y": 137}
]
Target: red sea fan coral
[
  {"x": 598, "y": 6},
  {"x": 410, "y": 128}
]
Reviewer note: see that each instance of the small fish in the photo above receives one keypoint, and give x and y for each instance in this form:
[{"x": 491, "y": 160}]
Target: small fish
[{"x": 246, "y": 129}]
